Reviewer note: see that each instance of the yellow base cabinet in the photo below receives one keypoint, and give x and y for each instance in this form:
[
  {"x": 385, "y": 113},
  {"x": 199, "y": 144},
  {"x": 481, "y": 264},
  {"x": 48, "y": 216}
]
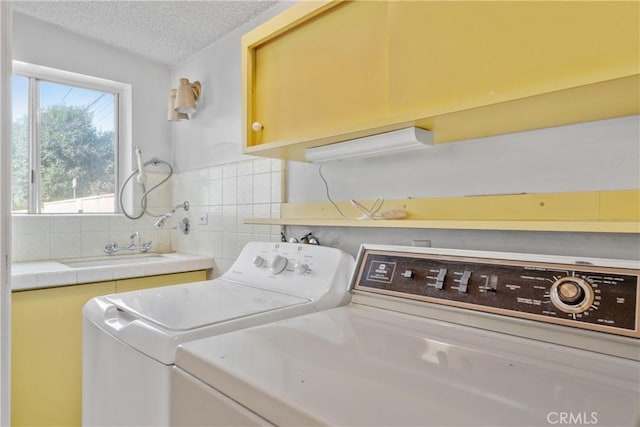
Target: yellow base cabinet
[
  {"x": 46, "y": 347},
  {"x": 327, "y": 71},
  {"x": 46, "y": 354}
]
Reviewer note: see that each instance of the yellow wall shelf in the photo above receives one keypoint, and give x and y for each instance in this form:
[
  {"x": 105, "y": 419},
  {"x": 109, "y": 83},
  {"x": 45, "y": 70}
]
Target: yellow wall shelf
[{"x": 594, "y": 212}]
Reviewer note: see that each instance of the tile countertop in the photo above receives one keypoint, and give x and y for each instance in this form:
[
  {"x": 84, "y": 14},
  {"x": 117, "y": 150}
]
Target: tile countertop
[{"x": 46, "y": 274}]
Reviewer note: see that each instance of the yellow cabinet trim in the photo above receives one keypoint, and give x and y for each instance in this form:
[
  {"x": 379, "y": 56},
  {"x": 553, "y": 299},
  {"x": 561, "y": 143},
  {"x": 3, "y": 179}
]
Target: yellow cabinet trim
[
  {"x": 290, "y": 18},
  {"x": 597, "y": 101},
  {"x": 293, "y": 16},
  {"x": 293, "y": 89},
  {"x": 599, "y": 80},
  {"x": 601, "y": 212},
  {"x": 624, "y": 227}
]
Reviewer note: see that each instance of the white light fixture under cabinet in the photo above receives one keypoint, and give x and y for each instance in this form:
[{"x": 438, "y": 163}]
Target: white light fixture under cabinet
[{"x": 374, "y": 145}]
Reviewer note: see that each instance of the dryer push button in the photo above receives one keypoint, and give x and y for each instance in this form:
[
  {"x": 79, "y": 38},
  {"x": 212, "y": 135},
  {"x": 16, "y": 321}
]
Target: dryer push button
[{"x": 464, "y": 282}]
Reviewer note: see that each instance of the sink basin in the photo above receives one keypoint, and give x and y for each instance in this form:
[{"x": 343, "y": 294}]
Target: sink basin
[{"x": 105, "y": 262}]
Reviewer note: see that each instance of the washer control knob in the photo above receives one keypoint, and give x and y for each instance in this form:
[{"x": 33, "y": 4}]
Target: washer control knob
[
  {"x": 301, "y": 267},
  {"x": 278, "y": 264},
  {"x": 258, "y": 261},
  {"x": 572, "y": 294}
]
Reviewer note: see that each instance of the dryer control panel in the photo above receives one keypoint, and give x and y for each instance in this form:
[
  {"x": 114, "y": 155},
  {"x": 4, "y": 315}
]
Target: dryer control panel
[{"x": 591, "y": 297}]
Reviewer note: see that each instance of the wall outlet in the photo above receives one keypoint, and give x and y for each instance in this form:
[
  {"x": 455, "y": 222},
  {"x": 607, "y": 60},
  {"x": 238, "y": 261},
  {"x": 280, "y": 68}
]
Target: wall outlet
[
  {"x": 421, "y": 243},
  {"x": 203, "y": 219}
]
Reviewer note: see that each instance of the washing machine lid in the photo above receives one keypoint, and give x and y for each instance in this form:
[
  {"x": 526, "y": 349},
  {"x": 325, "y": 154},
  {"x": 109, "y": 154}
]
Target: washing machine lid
[
  {"x": 192, "y": 306},
  {"x": 358, "y": 365}
]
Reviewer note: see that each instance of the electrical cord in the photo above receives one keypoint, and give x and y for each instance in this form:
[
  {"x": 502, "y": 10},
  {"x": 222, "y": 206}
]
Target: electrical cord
[
  {"x": 367, "y": 213},
  {"x": 326, "y": 187}
]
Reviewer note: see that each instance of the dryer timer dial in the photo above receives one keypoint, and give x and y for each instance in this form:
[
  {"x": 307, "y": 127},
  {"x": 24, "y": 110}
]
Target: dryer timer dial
[{"x": 572, "y": 294}]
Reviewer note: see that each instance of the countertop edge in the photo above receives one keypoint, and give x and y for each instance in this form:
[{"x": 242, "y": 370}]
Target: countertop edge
[{"x": 51, "y": 273}]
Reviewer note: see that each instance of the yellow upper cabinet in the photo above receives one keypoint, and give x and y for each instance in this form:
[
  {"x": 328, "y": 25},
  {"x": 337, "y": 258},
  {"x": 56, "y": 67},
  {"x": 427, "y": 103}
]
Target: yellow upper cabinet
[
  {"x": 453, "y": 56},
  {"x": 329, "y": 72},
  {"x": 326, "y": 71}
]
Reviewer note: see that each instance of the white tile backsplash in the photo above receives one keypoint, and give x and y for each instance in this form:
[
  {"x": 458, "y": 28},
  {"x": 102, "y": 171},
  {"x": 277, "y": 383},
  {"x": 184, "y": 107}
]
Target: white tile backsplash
[
  {"x": 43, "y": 237},
  {"x": 215, "y": 172},
  {"x": 216, "y": 222},
  {"x": 229, "y": 246},
  {"x": 229, "y": 218},
  {"x": 245, "y": 168},
  {"x": 228, "y": 194},
  {"x": 244, "y": 211},
  {"x": 66, "y": 245},
  {"x": 230, "y": 191},
  {"x": 276, "y": 185},
  {"x": 92, "y": 243},
  {"x": 277, "y": 165},
  {"x": 261, "y": 166},
  {"x": 245, "y": 190},
  {"x": 262, "y": 210},
  {"x": 230, "y": 170},
  {"x": 94, "y": 223},
  {"x": 31, "y": 247},
  {"x": 236, "y": 191},
  {"x": 215, "y": 192},
  {"x": 262, "y": 188}
]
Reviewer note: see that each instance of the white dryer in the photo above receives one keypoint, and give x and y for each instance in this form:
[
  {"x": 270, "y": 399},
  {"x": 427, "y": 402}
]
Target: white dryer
[
  {"x": 434, "y": 337},
  {"x": 130, "y": 339}
]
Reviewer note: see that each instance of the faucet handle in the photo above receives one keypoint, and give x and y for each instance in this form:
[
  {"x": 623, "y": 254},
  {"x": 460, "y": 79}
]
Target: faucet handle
[
  {"x": 145, "y": 246},
  {"x": 110, "y": 248}
]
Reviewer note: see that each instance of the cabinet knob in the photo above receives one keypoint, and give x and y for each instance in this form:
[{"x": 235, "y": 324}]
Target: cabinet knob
[{"x": 256, "y": 126}]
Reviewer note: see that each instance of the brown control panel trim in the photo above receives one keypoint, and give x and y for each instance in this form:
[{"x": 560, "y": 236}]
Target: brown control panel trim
[{"x": 506, "y": 287}]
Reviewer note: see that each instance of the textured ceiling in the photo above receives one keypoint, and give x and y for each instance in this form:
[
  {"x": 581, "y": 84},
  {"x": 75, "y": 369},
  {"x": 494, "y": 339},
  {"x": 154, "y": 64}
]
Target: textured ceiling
[{"x": 164, "y": 31}]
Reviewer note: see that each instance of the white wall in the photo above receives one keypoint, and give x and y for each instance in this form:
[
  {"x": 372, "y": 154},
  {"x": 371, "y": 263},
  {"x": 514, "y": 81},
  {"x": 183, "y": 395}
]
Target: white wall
[
  {"x": 213, "y": 136},
  {"x": 602, "y": 155},
  {"x": 44, "y": 44},
  {"x": 216, "y": 178},
  {"x": 37, "y": 237},
  {"x": 584, "y": 157}
]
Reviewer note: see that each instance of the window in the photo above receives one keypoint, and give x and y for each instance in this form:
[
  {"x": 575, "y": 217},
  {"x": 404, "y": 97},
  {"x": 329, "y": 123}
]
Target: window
[{"x": 64, "y": 142}]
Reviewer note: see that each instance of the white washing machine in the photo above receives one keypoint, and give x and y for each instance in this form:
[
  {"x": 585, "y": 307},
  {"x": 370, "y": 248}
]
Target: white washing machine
[
  {"x": 434, "y": 337},
  {"x": 130, "y": 339}
]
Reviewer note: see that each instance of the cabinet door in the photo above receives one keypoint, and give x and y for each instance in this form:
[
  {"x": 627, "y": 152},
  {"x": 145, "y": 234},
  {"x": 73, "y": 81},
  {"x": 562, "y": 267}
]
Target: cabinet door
[
  {"x": 46, "y": 354},
  {"x": 325, "y": 75},
  {"x": 451, "y": 56},
  {"x": 138, "y": 283}
]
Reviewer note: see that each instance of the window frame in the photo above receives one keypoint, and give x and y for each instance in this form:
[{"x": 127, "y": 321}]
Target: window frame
[{"x": 122, "y": 124}]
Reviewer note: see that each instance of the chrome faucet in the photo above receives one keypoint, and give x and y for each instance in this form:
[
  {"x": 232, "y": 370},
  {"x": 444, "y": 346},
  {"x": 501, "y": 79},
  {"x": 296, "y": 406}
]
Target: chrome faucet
[
  {"x": 134, "y": 239},
  {"x": 134, "y": 245}
]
